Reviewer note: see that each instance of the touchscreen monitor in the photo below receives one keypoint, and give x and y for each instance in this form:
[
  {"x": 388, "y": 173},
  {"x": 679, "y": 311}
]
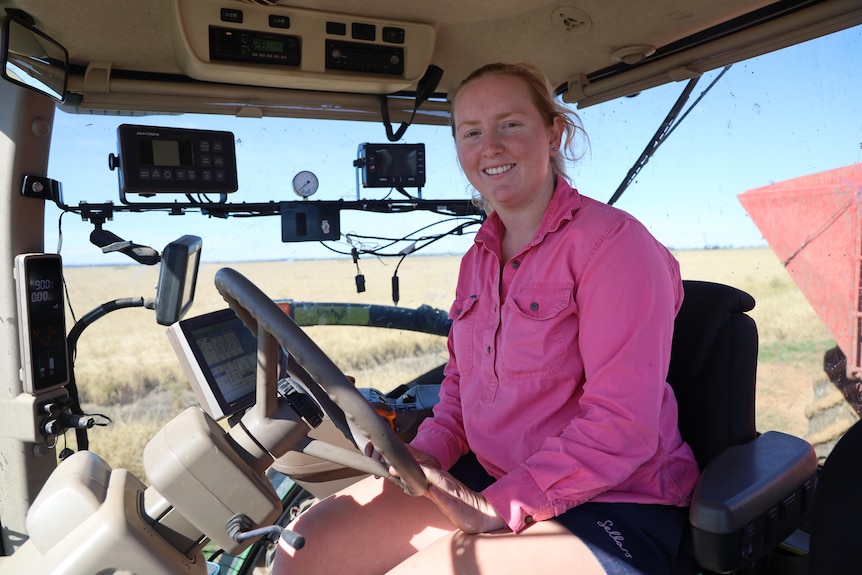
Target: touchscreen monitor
[{"x": 219, "y": 356}]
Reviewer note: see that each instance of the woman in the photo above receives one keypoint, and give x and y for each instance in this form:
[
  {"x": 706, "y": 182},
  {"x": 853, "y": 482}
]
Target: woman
[{"x": 555, "y": 446}]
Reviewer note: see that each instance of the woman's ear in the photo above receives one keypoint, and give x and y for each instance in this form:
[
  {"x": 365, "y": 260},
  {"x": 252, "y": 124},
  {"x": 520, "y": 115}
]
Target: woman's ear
[{"x": 556, "y": 135}]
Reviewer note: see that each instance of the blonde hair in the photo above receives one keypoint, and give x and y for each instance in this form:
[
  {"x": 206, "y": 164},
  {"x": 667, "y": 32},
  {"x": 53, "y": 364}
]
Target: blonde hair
[{"x": 543, "y": 97}]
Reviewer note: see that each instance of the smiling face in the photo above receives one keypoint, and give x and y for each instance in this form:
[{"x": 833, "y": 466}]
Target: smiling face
[{"x": 504, "y": 143}]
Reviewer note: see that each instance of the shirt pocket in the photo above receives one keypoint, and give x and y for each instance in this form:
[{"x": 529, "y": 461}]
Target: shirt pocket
[
  {"x": 539, "y": 327},
  {"x": 463, "y": 315}
]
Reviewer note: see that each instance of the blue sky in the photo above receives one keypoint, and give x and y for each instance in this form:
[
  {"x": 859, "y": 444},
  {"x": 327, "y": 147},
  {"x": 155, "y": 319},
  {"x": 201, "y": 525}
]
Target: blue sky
[{"x": 776, "y": 117}]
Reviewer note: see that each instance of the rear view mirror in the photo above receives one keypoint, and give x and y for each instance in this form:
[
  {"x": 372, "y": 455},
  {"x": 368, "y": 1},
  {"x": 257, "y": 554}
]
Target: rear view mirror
[{"x": 33, "y": 60}]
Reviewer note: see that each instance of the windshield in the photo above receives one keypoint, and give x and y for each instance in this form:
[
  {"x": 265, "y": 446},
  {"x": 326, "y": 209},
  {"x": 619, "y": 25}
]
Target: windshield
[{"x": 777, "y": 117}]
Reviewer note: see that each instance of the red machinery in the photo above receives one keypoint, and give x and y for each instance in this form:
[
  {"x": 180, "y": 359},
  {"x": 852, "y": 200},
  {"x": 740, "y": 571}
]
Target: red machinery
[{"x": 812, "y": 223}]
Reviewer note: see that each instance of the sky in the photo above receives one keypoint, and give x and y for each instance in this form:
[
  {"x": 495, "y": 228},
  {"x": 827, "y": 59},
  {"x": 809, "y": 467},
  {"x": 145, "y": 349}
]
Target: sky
[{"x": 776, "y": 117}]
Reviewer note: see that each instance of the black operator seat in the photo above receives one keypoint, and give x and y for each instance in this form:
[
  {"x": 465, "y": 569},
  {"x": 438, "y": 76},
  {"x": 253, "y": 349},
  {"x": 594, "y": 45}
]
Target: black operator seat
[{"x": 754, "y": 490}]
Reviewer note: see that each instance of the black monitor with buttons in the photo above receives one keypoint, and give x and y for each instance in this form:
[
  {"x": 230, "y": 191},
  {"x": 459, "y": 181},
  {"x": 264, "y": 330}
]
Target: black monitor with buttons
[{"x": 156, "y": 160}]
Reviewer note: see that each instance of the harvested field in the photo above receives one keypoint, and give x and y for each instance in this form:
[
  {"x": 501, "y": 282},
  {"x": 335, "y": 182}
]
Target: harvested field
[{"x": 126, "y": 369}]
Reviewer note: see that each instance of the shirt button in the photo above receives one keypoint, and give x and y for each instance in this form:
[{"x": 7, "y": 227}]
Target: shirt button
[
  {"x": 534, "y": 306},
  {"x": 516, "y": 264},
  {"x": 528, "y": 519},
  {"x": 489, "y": 349}
]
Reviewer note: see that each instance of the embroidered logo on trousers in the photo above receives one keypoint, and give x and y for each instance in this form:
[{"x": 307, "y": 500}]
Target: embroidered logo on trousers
[{"x": 615, "y": 535}]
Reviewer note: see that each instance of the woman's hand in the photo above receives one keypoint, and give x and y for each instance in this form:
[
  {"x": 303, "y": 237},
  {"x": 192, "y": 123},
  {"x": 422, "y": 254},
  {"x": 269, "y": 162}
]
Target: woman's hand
[
  {"x": 424, "y": 459},
  {"x": 467, "y": 509}
]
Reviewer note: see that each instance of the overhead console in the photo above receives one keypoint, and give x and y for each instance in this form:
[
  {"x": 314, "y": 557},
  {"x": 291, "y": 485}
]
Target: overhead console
[{"x": 282, "y": 47}]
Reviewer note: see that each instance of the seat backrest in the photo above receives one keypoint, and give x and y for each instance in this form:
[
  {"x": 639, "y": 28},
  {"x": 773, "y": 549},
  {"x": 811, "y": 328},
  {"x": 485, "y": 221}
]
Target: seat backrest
[{"x": 713, "y": 368}]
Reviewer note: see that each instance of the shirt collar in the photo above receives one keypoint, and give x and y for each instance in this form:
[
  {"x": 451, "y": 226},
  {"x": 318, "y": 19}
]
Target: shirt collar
[{"x": 561, "y": 208}]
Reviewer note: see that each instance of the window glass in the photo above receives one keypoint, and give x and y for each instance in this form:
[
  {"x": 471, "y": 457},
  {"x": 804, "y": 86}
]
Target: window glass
[{"x": 767, "y": 120}]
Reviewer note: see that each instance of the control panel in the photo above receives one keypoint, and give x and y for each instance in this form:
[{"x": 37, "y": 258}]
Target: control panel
[
  {"x": 41, "y": 322},
  {"x": 355, "y": 57},
  {"x": 269, "y": 44},
  {"x": 157, "y": 160}
]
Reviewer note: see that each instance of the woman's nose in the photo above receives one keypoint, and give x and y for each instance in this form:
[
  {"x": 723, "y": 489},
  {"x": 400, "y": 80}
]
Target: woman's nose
[{"x": 492, "y": 143}]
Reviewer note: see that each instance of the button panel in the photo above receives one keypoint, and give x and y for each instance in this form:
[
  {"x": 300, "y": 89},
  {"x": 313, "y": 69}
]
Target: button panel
[{"x": 159, "y": 160}]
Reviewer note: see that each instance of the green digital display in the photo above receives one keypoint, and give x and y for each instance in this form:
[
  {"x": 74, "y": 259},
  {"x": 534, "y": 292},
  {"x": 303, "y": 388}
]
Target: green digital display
[{"x": 271, "y": 45}]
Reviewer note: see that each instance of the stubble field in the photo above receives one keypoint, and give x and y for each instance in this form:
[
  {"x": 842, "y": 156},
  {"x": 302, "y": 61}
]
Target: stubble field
[{"x": 126, "y": 369}]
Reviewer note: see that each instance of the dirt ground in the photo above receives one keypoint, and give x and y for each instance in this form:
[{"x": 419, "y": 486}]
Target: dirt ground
[{"x": 783, "y": 393}]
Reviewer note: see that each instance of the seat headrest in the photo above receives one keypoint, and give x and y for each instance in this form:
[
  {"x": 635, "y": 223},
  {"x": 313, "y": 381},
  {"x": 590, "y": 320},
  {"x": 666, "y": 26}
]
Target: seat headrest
[{"x": 705, "y": 309}]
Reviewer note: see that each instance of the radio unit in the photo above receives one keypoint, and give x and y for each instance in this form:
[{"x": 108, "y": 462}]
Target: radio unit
[
  {"x": 233, "y": 45},
  {"x": 392, "y": 165},
  {"x": 155, "y": 160},
  {"x": 355, "y": 57}
]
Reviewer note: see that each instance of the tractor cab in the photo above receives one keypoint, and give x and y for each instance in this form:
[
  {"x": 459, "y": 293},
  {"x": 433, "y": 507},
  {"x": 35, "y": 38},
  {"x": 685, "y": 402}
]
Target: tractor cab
[{"x": 219, "y": 185}]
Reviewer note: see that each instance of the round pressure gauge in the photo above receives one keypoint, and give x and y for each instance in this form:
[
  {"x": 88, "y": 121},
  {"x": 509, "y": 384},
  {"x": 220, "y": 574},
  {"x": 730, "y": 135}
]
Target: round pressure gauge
[{"x": 305, "y": 184}]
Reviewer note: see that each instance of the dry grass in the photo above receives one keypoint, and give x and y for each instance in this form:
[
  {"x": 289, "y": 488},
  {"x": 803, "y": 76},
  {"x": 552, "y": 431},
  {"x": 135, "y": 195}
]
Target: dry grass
[
  {"x": 125, "y": 363},
  {"x": 126, "y": 354}
]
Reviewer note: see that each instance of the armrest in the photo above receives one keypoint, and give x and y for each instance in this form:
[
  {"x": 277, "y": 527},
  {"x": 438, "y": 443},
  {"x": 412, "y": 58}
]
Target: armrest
[{"x": 749, "y": 498}]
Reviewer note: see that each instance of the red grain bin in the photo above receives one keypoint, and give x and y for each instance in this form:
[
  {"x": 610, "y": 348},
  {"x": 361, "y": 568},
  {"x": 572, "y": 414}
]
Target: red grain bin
[{"x": 812, "y": 223}]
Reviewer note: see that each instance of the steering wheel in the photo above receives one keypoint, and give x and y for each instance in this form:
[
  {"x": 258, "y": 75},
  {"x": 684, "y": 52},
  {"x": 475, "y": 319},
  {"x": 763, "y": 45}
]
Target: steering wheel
[{"x": 336, "y": 394}]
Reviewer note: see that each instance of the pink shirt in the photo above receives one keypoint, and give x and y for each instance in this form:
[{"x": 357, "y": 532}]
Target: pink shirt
[{"x": 558, "y": 366}]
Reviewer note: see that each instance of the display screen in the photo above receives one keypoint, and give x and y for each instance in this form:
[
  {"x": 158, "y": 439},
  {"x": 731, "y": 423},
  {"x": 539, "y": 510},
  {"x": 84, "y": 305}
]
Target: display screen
[
  {"x": 267, "y": 45},
  {"x": 175, "y": 292},
  {"x": 220, "y": 357},
  {"x": 45, "y": 323},
  {"x": 396, "y": 162},
  {"x": 387, "y": 165},
  {"x": 188, "y": 295},
  {"x": 229, "y": 350},
  {"x": 43, "y": 291},
  {"x": 172, "y": 153}
]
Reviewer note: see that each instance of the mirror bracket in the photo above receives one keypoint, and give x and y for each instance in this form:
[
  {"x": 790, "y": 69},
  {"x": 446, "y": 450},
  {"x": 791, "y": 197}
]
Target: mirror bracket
[{"x": 21, "y": 15}]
